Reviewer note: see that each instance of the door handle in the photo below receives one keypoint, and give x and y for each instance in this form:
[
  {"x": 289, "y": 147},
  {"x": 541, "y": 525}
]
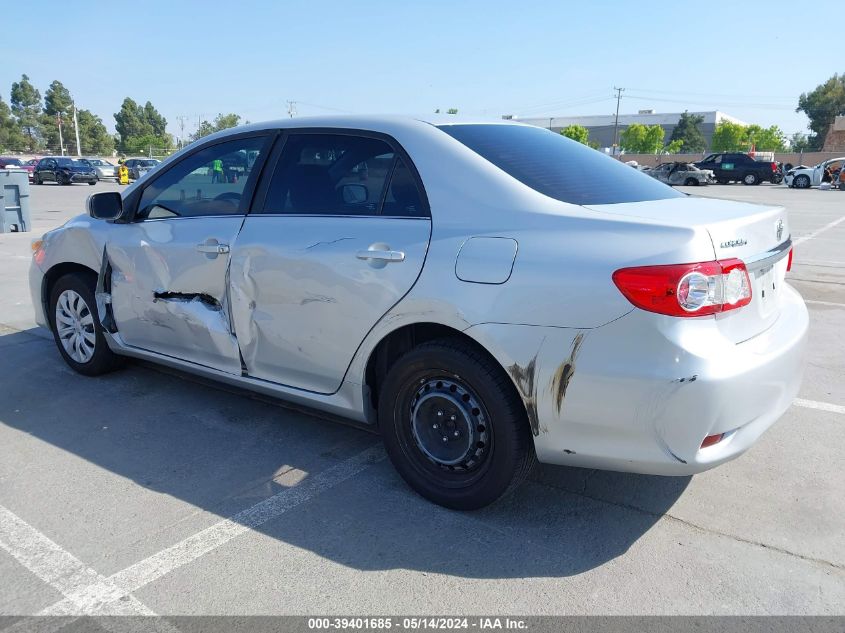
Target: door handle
[
  {"x": 213, "y": 249},
  {"x": 382, "y": 256}
]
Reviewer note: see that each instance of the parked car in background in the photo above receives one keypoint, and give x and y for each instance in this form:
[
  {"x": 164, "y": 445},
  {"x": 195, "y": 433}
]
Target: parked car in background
[
  {"x": 487, "y": 292},
  {"x": 63, "y": 171},
  {"x": 739, "y": 167},
  {"x": 10, "y": 162},
  {"x": 681, "y": 174},
  {"x": 139, "y": 166},
  {"x": 802, "y": 177},
  {"x": 103, "y": 168}
]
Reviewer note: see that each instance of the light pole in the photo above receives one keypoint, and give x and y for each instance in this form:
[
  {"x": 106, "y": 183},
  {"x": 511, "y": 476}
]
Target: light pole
[
  {"x": 76, "y": 127},
  {"x": 616, "y": 121}
]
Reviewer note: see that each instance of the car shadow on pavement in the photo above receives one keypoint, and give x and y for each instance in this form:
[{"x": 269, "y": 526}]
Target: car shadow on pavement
[{"x": 223, "y": 452}]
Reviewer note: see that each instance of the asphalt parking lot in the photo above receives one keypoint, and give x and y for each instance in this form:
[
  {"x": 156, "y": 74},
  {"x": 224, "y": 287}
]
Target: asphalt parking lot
[{"x": 150, "y": 492}]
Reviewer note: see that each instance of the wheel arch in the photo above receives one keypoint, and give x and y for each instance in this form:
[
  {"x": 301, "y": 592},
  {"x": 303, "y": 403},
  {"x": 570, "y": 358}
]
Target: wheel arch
[
  {"x": 401, "y": 340},
  {"x": 55, "y": 273}
]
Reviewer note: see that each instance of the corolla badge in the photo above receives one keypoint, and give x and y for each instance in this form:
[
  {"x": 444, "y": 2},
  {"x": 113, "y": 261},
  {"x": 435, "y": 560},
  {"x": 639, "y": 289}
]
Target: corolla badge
[
  {"x": 732, "y": 243},
  {"x": 779, "y": 229}
]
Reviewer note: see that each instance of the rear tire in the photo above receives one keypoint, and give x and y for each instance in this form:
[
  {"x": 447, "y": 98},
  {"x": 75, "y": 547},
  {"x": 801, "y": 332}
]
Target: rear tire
[
  {"x": 691, "y": 182},
  {"x": 454, "y": 426},
  {"x": 76, "y": 326},
  {"x": 750, "y": 179},
  {"x": 36, "y": 180}
]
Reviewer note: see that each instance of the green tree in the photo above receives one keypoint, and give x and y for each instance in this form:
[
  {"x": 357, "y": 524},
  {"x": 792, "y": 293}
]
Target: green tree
[
  {"x": 57, "y": 100},
  {"x": 143, "y": 144},
  {"x": 93, "y": 135},
  {"x": 799, "y": 142},
  {"x": 141, "y": 127},
  {"x": 674, "y": 147},
  {"x": 821, "y": 106},
  {"x": 770, "y": 139},
  {"x": 452, "y": 111},
  {"x": 577, "y": 133},
  {"x": 26, "y": 105},
  {"x": 156, "y": 121},
  {"x": 688, "y": 132},
  {"x": 130, "y": 122},
  {"x": 11, "y": 137},
  {"x": 221, "y": 122},
  {"x": 642, "y": 139},
  {"x": 58, "y": 104},
  {"x": 729, "y": 137}
]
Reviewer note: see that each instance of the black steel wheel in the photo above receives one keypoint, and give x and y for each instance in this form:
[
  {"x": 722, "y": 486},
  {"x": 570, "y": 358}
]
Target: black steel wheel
[{"x": 454, "y": 426}]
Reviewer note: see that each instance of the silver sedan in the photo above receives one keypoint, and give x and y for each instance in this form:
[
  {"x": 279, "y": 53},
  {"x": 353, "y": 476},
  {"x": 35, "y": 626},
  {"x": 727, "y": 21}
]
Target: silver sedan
[
  {"x": 481, "y": 293},
  {"x": 103, "y": 168}
]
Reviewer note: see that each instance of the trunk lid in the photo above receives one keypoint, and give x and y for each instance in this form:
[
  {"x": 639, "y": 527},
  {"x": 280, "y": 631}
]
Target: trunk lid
[{"x": 756, "y": 234}]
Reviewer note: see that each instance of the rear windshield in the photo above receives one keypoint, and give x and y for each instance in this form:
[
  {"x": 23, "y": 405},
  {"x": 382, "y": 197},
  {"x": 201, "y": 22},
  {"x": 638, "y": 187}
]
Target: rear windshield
[{"x": 559, "y": 167}]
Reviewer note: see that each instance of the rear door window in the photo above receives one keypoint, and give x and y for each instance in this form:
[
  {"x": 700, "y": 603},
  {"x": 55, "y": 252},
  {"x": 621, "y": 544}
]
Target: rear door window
[
  {"x": 330, "y": 174},
  {"x": 557, "y": 166}
]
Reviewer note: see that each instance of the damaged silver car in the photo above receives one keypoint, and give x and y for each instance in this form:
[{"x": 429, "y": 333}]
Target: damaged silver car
[
  {"x": 481, "y": 293},
  {"x": 682, "y": 174}
]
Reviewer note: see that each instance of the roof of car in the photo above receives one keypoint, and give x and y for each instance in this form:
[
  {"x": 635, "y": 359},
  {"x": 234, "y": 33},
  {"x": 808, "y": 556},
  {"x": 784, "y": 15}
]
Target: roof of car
[{"x": 361, "y": 121}]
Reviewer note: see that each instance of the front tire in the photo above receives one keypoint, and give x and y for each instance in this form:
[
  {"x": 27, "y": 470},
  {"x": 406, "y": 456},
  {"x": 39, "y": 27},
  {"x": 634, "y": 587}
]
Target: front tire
[
  {"x": 801, "y": 182},
  {"x": 76, "y": 326},
  {"x": 454, "y": 426},
  {"x": 691, "y": 182}
]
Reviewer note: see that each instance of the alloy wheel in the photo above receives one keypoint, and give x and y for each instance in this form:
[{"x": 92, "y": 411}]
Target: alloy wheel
[{"x": 75, "y": 326}]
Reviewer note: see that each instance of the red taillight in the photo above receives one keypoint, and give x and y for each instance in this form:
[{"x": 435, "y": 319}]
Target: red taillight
[
  {"x": 686, "y": 290},
  {"x": 774, "y": 166},
  {"x": 789, "y": 261},
  {"x": 712, "y": 439}
]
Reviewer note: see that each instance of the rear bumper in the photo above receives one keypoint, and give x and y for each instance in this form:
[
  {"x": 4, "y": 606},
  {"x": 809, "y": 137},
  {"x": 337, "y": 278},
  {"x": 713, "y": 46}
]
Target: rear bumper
[{"x": 644, "y": 391}]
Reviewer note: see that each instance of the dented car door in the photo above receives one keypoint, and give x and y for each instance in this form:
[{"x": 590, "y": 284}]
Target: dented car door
[
  {"x": 168, "y": 268},
  {"x": 341, "y": 237}
]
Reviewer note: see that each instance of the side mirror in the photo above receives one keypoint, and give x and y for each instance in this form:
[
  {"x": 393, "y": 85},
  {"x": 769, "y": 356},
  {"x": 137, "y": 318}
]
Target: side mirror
[
  {"x": 355, "y": 194},
  {"x": 106, "y": 205}
]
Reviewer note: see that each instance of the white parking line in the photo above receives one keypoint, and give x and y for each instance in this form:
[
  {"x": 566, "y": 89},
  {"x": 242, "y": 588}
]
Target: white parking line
[
  {"x": 818, "y": 232},
  {"x": 96, "y": 596},
  {"x": 58, "y": 568},
  {"x": 65, "y": 573},
  {"x": 820, "y": 406}
]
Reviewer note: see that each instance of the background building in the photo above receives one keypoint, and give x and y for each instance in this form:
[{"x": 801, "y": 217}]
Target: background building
[{"x": 601, "y": 126}]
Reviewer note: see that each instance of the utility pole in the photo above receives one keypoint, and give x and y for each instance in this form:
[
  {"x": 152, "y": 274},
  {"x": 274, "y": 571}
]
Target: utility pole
[
  {"x": 291, "y": 108},
  {"x": 616, "y": 121},
  {"x": 181, "y": 131},
  {"x": 76, "y": 127}
]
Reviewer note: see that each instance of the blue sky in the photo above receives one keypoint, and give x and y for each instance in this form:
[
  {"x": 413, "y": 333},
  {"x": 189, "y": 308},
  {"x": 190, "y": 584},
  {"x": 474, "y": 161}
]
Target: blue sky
[{"x": 747, "y": 58}]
